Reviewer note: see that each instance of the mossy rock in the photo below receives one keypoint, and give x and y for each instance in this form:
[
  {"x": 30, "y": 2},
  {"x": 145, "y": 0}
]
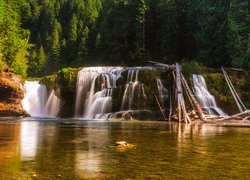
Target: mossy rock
[
  {"x": 66, "y": 79},
  {"x": 49, "y": 81},
  {"x": 64, "y": 83}
]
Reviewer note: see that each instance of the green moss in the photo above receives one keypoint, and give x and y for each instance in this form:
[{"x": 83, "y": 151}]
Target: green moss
[
  {"x": 49, "y": 81},
  {"x": 67, "y": 78},
  {"x": 218, "y": 87},
  {"x": 246, "y": 93},
  {"x": 190, "y": 68},
  {"x": 64, "y": 83}
]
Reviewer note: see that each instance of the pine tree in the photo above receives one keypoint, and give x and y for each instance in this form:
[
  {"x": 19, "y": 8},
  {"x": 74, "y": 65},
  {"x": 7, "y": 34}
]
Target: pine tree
[
  {"x": 83, "y": 45},
  {"x": 73, "y": 29},
  {"x": 55, "y": 47},
  {"x": 41, "y": 59}
]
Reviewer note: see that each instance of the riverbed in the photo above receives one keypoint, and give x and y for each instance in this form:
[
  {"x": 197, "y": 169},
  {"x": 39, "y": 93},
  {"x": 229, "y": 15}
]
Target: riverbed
[{"x": 80, "y": 149}]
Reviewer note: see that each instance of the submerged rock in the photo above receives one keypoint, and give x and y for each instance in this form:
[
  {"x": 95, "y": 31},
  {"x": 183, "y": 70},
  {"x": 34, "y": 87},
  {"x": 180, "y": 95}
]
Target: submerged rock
[
  {"x": 121, "y": 143},
  {"x": 123, "y": 146}
]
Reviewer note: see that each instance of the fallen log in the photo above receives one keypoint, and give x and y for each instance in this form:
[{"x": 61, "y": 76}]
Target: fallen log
[
  {"x": 166, "y": 66},
  {"x": 193, "y": 99},
  {"x": 235, "y": 116},
  {"x": 181, "y": 108},
  {"x": 237, "y": 99},
  {"x": 161, "y": 109},
  {"x": 248, "y": 117}
]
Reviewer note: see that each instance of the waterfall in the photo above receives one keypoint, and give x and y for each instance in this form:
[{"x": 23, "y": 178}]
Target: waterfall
[
  {"x": 128, "y": 96},
  {"x": 36, "y": 101},
  {"x": 35, "y": 96},
  {"x": 52, "y": 106},
  {"x": 206, "y": 100},
  {"x": 94, "y": 91}
]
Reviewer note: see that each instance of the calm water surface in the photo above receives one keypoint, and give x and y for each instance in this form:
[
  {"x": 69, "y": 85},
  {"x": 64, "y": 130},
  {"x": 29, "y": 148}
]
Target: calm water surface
[{"x": 73, "y": 149}]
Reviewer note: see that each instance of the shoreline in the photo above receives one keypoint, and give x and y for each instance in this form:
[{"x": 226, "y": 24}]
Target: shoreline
[{"x": 224, "y": 123}]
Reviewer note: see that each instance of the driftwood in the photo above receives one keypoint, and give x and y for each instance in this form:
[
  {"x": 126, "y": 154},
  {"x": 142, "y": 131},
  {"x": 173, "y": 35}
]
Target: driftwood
[
  {"x": 237, "y": 69},
  {"x": 237, "y": 99},
  {"x": 248, "y": 117},
  {"x": 166, "y": 66},
  {"x": 193, "y": 99},
  {"x": 179, "y": 103},
  {"x": 235, "y": 116},
  {"x": 159, "y": 105},
  {"x": 181, "y": 108}
]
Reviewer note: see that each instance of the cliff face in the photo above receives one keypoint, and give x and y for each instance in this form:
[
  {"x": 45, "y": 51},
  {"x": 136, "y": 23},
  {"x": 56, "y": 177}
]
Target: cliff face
[{"x": 11, "y": 95}]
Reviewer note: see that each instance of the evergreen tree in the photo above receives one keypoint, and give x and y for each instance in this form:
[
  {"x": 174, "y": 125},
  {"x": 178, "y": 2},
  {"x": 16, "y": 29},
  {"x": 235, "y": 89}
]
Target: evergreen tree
[
  {"x": 55, "y": 46},
  {"x": 75, "y": 32},
  {"x": 14, "y": 40},
  {"x": 83, "y": 45},
  {"x": 73, "y": 29}
]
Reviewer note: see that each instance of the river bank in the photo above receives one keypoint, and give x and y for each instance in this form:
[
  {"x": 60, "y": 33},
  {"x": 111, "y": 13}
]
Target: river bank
[{"x": 11, "y": 95}]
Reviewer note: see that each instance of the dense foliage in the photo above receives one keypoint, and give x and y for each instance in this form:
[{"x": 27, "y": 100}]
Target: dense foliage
[
  {"x": 13, "y": 39},
  {"x": 122, "y": 32}
]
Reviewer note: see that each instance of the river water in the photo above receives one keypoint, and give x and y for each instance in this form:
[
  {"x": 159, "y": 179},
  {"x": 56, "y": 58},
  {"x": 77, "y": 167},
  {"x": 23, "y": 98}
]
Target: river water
[{"x": 75, "y": 149}]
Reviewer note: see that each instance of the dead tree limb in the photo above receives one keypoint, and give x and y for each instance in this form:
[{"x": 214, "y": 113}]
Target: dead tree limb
[
  {"x": 193, "y": 99},
  {"x": 237, "y": 99},
  {"x": 166, "y": 66},
  {"x": 161, "y": 109},
  {"x": 235, "y": 115},
  {"x": 181, "y": 108}
]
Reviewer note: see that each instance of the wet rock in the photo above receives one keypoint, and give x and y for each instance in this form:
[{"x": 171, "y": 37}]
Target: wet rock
[
  {"x": 121, "y": 143},
  {"x": 11, "y": 95},
  {"x": 123, "y": 146}
]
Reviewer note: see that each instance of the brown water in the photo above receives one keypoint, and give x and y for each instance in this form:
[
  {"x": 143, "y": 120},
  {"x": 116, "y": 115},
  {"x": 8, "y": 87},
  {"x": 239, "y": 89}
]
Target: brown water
[{"x": 73, "y": 149}]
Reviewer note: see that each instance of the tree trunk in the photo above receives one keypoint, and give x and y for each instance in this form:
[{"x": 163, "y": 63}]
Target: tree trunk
[{"x": 194, "y": 101}]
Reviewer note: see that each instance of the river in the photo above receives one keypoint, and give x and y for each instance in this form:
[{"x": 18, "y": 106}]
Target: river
[{"x": 77, "y": 149}]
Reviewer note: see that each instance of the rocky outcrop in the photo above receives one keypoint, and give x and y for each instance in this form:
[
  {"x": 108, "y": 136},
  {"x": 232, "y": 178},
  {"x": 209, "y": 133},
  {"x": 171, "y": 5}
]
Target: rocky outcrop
[
  {"x": 64, "y": 84},
  {"x": 11, "y": 95}
]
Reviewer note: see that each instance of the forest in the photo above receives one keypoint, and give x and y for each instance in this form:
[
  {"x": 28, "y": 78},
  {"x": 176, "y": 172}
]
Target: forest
[{"x": 39, "y": 37}]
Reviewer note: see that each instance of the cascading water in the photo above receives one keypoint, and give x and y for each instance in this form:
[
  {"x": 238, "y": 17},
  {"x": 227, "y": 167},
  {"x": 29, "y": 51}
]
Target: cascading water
[
  {"x": 36, "y": 101},
  {"x": 97, "y": 91},
  {"x": 94, "y": 91},
  {"x": 206, "y": 100},
  {"x": 52, "y": 106},
  {"x": 163, "y": 92},
  {"x": 133, "y": 85},
  {"x": 128, "y": 96}
]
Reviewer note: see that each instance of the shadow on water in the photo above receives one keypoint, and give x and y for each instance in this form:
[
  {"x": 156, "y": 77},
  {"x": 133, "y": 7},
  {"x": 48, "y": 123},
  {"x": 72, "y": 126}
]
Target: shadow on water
[{"x": 77, "y": 149}]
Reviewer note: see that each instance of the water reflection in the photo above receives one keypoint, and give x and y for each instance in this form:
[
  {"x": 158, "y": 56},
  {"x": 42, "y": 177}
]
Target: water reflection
[
  {"x": 90, "y": 151},
  {"x": 29, "y": 138},
  {"x": 46, "y": 150},
  {"x": 9, "y": 141}
]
